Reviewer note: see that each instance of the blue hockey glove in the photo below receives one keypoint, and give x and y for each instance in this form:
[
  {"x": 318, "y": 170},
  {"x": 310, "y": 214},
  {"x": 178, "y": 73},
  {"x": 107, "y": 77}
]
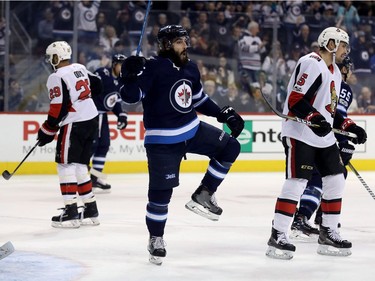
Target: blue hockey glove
[
  {"x": 46, "y": 134},
  {"x": 132, "y": 67},
  {"x": 317, "y": 119},
  {"x": 232, "y": 119},
  {"x": 122, "y": 121}
]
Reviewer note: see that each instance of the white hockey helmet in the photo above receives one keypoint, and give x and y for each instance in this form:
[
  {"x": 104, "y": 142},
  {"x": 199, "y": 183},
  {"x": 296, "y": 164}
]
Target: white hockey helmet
[
  {"x": 332, "y": 33},
  {"x": 57, "y": 52}
]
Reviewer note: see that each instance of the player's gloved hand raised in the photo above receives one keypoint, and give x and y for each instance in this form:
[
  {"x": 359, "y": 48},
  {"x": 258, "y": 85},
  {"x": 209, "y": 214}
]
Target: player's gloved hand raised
[
  {"x": 323, "y": 128},
  {"x": 232, "y": 119},
  {"x": 346, "y": 152},
  {"x": 132, "y": 67},
  {"x": 122, "y": 121},
  {"x": 46, "y": 134},
  {"x": 349, "y": 126}
]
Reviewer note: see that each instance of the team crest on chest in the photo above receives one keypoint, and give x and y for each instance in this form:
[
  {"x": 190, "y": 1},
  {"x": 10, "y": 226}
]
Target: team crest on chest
[
  {"x": 331, "y": 108},
  {"x": 181, "y": 96}
]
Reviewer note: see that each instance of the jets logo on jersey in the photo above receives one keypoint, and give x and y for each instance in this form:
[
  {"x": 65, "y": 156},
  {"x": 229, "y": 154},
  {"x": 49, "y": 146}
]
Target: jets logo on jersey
[
  {"x": 181, "y": 96},
  {"x": 331, "y": 108},
  {"x": 110, "y": 100}
]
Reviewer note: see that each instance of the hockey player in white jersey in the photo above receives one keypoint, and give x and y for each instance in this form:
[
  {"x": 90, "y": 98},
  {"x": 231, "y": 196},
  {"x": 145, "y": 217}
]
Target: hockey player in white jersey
[
  {"x": 312, "y": 96},
  {"x": 73, "y": 114}
]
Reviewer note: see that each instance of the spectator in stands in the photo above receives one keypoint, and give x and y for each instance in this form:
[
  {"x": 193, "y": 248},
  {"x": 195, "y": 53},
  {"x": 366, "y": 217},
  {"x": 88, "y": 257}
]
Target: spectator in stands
[
  {"x": 185, "y": 23},
  {"x": 274, "y": 62},
  {"x": 45, "y": 31},
  {"x": 2, "y": 40},
  {"x": 303, "y": 39},
  {"x": 294, "y": 17},
  {"x": 313, "y": 16},
  {"x": 202, "y": 27},
  {"x": 101, "y": 22},
  {"x": 263, "y": 83},
  {"x": 198, "y": 45},
  {"x": 347, "y": 16},
  {"x": 87, "y": 29},
  {"x": 250, "y": 48},
  {"x": 63, "y": 20},
  {"x": 257, "y": 101},
  {"x": 232, "y": 97},
  {"x": 16, "y": 95},
  {"x": 221, "y": 33},
  {"x": 272, "y": 13},
  {"x": 152, "y": 40},
  {"x": 291, "y": 62},
  {"x": 360, "y": 53},
  {"x": 314, "y": 47},
  {"x": 328, "y": 19},
  {"x": 162, "y": 20},
  {"x": 366, "y": 101},
  {"x": 209, "y": 87},
  {"x": 109, "y": 38},
  {"x": 224, "y": 75},
  {"x": 123, "y": 23}
]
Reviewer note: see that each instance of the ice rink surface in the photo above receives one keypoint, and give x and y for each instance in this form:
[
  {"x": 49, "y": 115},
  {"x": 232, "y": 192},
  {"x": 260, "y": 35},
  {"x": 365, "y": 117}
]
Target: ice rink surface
[{"x": 232, "y": 248}]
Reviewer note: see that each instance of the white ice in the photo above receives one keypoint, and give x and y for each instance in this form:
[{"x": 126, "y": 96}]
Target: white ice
[{"x": 232, "y": 248}]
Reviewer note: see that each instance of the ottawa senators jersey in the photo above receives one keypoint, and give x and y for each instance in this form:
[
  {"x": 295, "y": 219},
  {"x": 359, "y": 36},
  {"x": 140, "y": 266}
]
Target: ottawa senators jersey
[
  {"x": 320, "y": 85},
  {"x": 70, "y": 96}
]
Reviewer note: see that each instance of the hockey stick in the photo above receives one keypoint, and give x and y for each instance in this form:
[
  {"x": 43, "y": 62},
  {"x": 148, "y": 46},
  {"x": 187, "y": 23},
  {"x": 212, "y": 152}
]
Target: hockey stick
[
  {"x": 97, "y": 174},
  {"x": 143, "y": 27},
  {"x": 7, "y": 175},
  {"x": 362, "y": 180},
  {"x": 304, "y": 121},
  {"x": 6, "y": 250}
]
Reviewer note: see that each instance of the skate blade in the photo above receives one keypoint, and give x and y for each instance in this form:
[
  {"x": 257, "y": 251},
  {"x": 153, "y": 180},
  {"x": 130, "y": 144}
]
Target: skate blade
[
  {"x": 200, "y": 210},
  {"x": 6, "y": 249},
  {"x": 155, "y": 260},
  {"x": 275, "y": 253},
  {"x": 98, "y": 190},
  {"x": 90, "y": 222},
  {"x": 66, "y": 224},
  {"x": 327, "y": 250},
  {"x": 298, "y": 235}
]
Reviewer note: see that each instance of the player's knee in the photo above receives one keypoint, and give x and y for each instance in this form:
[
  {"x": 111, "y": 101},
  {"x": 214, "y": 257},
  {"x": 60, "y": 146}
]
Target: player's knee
[
  {"x": 230, "y": 152},
  {"x": 82, "y": 173},
  {"x": 67, "y": 173}
]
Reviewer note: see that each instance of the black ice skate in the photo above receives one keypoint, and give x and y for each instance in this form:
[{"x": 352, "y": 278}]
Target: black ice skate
[
  {"x": 69, "y": 217},
  {"x": 331, "y": 243},
  {"x": 89, "y": 215},
  {"x": 156, "y": 248},
  {"x": 279, "y": 246},
  {"x": 99, "y": 186},
  {"x": 204, "y": 204},
  {"x": 302, "y": 230}
]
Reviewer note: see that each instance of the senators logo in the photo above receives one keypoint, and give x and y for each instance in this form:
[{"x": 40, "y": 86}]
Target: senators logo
[{"x": 331, "y": 108}]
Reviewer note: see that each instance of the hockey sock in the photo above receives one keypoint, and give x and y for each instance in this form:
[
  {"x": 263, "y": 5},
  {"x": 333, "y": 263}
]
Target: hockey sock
[
  {"x": 310, "y": 200},
  {"x": 68, "y": 183},
  {"x": 157, "y": 211},
  {"x": 287, "y": 202},
  {"x": 215, "y": 174}
]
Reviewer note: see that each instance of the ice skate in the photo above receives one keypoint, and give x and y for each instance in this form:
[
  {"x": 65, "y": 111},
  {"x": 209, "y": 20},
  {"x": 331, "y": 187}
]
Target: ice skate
[
  {"x": 279, "y": 246},
  {"x": 99, "y": 186},
  {"x": 69, "y": 217},
  {"x": 204, "y": 204},
  {"x": 6, "y": 249},
  {"x": 331, "y": 243},
  {"x": 302, "y": 230},
  {"x": 89, "y": 214},
  {"x": 156, "y": 248}
]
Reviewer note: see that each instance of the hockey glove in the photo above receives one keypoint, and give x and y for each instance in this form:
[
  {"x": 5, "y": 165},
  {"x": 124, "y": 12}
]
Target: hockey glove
[
  {"x": 323, "y": 127},
  {"x": 46, "y": 134},
  {"x": 232, "y": 119},
  {"x": 132, "y": 67},
  {"x": 122, "y": 121},
  {"x": 349, "y": 126},
  {"x": 346, "y": 152}
]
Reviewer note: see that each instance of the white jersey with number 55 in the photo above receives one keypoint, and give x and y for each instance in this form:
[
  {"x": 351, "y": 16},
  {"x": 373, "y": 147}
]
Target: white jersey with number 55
[
  {"x": 319, "y": 85},
  {"x": 70, "y": 95}
]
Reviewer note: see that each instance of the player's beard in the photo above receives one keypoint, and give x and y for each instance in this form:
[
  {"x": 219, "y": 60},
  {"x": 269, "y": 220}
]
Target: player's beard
[{"x": 179, "y": 59}]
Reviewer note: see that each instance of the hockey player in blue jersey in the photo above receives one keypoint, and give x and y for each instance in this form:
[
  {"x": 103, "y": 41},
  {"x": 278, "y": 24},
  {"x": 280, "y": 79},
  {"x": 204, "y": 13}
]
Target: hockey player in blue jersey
[
  {"x": 310, "y": 199},
  {"x": 108, "y": 100},
  {"x": 169, "y": 86}
]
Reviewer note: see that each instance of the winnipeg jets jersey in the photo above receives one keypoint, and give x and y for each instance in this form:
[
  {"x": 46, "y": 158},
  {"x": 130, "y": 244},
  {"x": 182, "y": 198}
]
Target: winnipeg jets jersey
[
  {"x": 169, "y": 95},
  {"x": 109, "y": 99},
  {"x": 70, "y": 95},
  {"x": 321, "y": 84}
]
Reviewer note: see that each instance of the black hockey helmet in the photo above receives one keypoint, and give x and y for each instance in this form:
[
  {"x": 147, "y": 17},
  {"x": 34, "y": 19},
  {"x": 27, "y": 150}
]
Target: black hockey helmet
[
  {"x": 169, "y": 33},
  {"x": 118, "y": 58}
]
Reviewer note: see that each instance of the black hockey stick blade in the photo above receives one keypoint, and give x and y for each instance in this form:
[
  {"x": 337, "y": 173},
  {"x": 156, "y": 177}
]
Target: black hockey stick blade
[
  {"x": 304, "y": 121},
  {"x": 7, "y": 175}
]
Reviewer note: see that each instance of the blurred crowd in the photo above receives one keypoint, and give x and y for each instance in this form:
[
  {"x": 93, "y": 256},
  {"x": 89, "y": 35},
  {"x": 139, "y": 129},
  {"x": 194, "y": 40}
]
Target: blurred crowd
[{"x": 242, "y": 48}]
